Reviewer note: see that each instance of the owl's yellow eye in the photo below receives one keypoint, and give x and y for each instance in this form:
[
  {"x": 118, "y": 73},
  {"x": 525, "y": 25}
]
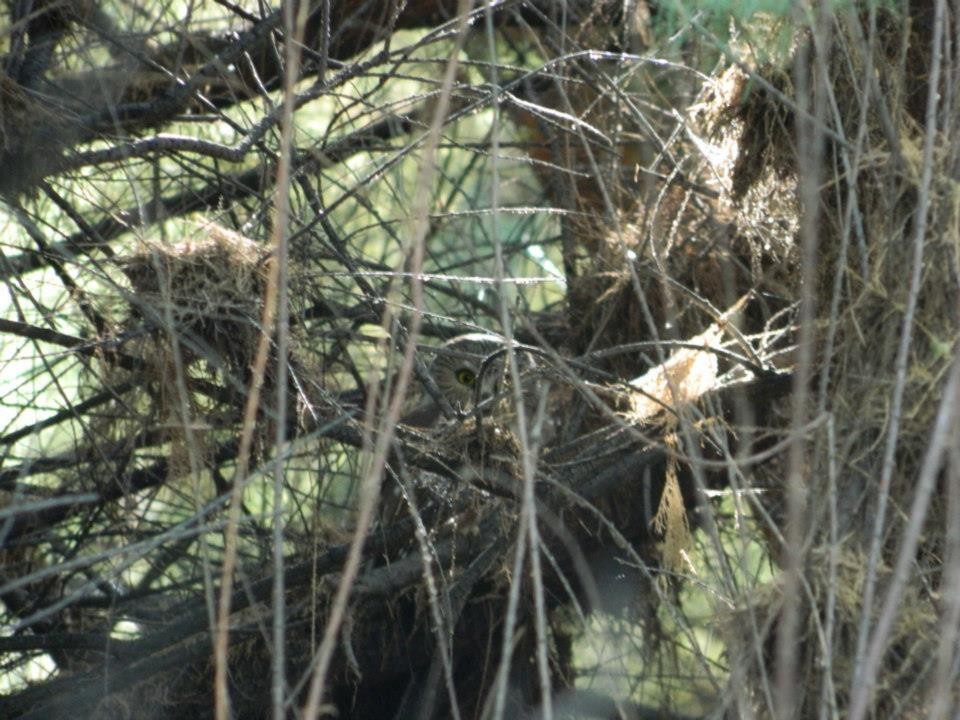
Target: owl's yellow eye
[{"x": 465, "y": 376}]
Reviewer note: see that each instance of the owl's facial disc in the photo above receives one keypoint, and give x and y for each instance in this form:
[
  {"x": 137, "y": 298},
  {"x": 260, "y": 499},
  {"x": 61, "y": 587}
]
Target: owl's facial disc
[{"x": 467, "y": 379}]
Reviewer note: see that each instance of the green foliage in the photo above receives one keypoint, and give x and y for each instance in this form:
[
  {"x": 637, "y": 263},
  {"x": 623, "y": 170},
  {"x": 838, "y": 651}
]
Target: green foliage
[{"x": 766, "y": 27}]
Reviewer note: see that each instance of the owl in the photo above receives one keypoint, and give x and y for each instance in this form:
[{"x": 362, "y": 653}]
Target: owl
[{"x": 459, "y": 372}]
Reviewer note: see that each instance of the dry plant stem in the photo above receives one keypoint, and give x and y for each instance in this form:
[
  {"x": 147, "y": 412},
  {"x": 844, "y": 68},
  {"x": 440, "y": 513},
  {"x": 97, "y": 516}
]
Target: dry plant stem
[
  {"x": 510, "y": 621},
  {"x": 828, "y": 695},
  {"x": 810, "y": 142},
  {"x": 373, "y": 473},
  {"x": 860, "y": 690},
  {"x": 945, "y": 674},
  {"x": 852, "y": 219},
  {"x": 823, "y": 632},
  {"x": 444, "y": 618},
  {"x": 295, "y": 28},
  {"x": 944, "y": 429},
  {"x": 529, "y": 531},
  {"x": 194, "y": 454},
  {"x": 270, "y": 310}
]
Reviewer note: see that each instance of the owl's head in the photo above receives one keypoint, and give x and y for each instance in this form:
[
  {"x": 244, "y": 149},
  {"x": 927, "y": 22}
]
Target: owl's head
[
  {"x": 465, "y": 369},
  {"x": 458, "y": 368}
]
